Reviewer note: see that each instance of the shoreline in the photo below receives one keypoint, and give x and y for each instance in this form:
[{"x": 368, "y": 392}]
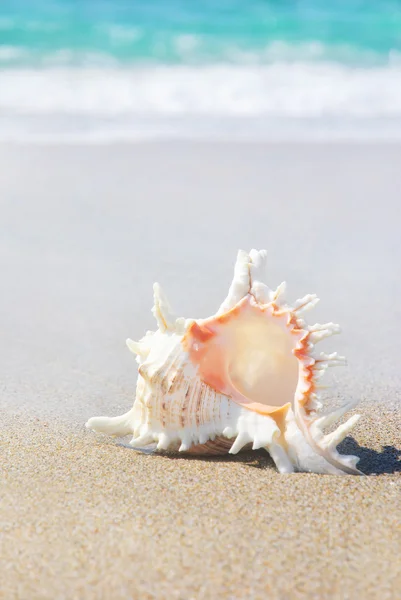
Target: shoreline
[{"x": 193, "y": 141}]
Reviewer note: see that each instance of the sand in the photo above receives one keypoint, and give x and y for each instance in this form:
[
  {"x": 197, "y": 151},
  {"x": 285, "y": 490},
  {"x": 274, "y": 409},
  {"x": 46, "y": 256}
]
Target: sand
[
  {"x": 84, "y": 232},
  {"x": 85, "y": 517}
]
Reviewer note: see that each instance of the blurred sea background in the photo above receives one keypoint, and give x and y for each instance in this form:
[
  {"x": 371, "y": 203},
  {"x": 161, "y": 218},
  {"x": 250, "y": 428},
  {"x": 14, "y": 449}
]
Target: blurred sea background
[{"x": 255, "y": 69}]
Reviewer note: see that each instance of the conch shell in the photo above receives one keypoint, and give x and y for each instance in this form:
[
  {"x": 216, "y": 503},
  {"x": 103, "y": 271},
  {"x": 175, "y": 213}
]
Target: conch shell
[{"x": 248, "y": 377}]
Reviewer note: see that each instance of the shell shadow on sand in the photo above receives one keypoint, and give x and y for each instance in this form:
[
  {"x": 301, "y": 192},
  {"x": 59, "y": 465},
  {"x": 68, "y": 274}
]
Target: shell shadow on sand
[{"x": 372, "y": 462}]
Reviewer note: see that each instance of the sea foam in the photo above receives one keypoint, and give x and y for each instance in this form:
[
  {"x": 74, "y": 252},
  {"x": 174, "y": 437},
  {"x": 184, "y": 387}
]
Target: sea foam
[{"x": 182, "y": 99}]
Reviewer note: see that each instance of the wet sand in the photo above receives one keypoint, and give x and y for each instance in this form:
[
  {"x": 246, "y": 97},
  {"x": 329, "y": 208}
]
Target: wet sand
[{"x": 84, "y": 232}]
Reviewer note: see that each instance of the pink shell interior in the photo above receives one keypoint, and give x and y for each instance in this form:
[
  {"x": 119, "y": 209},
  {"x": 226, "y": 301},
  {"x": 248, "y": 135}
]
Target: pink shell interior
[{"x": 250, "y": 355}]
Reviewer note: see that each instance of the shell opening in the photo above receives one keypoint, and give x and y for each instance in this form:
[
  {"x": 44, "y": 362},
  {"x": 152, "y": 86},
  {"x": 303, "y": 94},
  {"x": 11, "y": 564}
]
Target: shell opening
[
  {"x": 248, "y": 356},
  {"x": 261, "y": 365}
]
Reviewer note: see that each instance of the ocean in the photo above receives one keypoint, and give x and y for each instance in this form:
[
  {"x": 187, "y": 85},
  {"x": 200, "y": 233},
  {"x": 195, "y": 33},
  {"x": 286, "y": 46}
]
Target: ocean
[{"x": 229, "y": 69}]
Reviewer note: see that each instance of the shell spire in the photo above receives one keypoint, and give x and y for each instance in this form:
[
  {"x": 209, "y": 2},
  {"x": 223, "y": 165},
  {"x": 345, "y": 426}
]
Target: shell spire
[
  {"x": 241, "y": 282},
  {"x": 161, "y": 310},
  {"x": 247, "y": 377}
]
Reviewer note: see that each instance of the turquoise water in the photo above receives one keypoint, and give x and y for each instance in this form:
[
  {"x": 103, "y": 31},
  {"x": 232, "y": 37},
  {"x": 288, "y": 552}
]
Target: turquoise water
[
  {"x": 194, "y": 32},
  {"x": 90, "y": 66}
]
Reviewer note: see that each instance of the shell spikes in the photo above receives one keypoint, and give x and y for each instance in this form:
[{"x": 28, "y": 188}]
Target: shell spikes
[{"x": 247, "y": 377}]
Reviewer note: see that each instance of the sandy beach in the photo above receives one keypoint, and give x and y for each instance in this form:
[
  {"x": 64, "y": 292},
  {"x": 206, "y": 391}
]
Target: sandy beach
[{"x": 85, "y": 230}]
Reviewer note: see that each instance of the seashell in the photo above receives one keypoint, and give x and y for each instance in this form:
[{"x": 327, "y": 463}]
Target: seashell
[{"x": 247, "y": 377}]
